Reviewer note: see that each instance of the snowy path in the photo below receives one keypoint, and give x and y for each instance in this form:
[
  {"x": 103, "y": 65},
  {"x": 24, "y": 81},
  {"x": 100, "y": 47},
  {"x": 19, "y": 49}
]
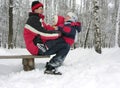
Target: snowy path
[{"x": 81, "y": 69}]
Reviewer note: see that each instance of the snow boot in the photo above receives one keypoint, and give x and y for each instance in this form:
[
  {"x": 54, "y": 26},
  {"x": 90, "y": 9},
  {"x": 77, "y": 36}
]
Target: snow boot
[{"x": 51, "y": 70}]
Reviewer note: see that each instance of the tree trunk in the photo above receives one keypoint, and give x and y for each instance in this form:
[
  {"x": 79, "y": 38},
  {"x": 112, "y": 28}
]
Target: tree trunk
[
  {"x": 86, "y": 37},
  {"x": 10, "y": 34},
  {"x": 0, "y": 39},
  {"x": 117, "y": 27},
  {"x": 97, "y": 33}
]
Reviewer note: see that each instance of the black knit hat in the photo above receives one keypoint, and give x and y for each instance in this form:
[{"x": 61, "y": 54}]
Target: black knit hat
[{"x": 35, "y": 5}]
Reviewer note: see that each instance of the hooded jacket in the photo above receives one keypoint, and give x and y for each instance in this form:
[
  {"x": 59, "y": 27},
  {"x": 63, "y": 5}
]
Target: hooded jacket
[
  {"x": 33, "y": 28},
  {"x": 68, "y": 29}
]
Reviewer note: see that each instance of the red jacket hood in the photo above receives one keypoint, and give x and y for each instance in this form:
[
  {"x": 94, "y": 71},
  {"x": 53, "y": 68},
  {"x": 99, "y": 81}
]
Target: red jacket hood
[{"x": 60, "y": 20}]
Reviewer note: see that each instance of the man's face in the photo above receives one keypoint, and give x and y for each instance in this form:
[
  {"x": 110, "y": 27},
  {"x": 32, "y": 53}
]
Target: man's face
[
  {"x": 39, "y": 10},
  {"x": 67, "y": 18}
]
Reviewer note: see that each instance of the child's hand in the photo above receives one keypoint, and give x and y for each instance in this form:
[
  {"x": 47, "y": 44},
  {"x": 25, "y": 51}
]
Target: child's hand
[
  {"x": 55, "y": 27},
  {"x": 76, "y": 25}
]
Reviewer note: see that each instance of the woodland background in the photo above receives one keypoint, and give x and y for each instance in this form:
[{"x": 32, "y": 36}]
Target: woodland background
[{"x": 14, "y": 13}]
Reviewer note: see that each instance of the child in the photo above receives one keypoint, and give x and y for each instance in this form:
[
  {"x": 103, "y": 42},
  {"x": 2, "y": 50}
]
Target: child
[{"x": 68, "y": 27}]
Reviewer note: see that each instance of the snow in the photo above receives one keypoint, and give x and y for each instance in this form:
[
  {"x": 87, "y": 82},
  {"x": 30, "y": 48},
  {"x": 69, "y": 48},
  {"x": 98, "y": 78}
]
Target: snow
[
  {"x": 83, "y": 68},
  {"x": 111, "y": 5},
  {"x": 78, "y": 1}
]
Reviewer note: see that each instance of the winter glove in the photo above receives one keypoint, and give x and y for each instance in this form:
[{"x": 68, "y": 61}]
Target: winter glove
[
  {"x": 76, "y": 25},
  {"x": 37, "y": 40}
]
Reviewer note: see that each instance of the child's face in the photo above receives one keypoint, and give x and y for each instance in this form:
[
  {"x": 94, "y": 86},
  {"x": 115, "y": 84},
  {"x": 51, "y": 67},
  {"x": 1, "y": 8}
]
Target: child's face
[
  {"x": 67, "y": 18},
  {"x": 39, "y": 10}
]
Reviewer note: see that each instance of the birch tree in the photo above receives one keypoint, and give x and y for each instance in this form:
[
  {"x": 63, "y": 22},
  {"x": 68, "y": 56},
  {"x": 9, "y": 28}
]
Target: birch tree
[
  {"x": 97, "y": 31},
  {"x": 117, "y": 26}
]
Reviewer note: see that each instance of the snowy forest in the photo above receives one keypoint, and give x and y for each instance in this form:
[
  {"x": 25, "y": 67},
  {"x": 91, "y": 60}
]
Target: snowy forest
[
  {"x": 82, "y": 67},
  {"x": 100, "y": 21}
]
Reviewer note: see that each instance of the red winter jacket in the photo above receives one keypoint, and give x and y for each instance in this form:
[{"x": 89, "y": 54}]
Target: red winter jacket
[{"x": 34, "y": 27}]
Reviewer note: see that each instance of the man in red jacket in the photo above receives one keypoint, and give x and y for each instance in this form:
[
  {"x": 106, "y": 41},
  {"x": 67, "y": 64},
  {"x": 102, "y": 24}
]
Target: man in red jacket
[
  {"x": 34, "y": 27},
  {"x": 36, "y": 33}
]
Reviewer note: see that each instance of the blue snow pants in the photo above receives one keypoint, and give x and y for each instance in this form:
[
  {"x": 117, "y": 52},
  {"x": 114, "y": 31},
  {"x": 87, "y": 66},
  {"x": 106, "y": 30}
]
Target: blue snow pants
[{"x": 58, "y": 47}]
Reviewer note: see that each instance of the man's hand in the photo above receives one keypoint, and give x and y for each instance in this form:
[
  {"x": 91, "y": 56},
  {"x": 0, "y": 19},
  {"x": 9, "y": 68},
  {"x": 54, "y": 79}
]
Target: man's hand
[{"x": 37, "y": 40}]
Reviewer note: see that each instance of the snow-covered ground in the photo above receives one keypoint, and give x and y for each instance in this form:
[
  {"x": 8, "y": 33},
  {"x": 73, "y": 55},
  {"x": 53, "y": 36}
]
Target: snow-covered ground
[{"x": 83, "y": 68}]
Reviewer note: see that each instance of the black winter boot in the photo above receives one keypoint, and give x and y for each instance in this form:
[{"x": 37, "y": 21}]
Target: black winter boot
[{"x": 51, "y": 70}]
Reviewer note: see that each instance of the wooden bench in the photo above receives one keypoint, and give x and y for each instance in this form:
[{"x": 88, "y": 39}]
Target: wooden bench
[{"x": 27, "y": 60}]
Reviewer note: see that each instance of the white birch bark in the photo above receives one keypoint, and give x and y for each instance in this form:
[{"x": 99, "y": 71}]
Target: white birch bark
[{"x": 117, "y": 26}]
